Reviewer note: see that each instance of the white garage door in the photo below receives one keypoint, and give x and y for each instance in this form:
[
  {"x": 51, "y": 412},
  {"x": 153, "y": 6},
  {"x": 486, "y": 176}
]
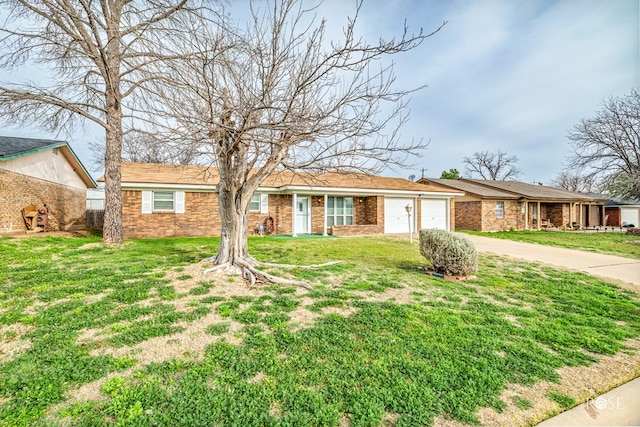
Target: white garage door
[
  {"x": 434, "y": 214},
  {"x": 630, "y": 216},
  {"x": 395, "y": 215}
]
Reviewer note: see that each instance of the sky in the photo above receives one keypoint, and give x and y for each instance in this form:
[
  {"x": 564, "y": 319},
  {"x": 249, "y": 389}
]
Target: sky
[{"x": 510, "y": 75}]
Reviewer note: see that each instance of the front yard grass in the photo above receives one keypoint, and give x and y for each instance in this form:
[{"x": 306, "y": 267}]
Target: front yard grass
[
  {"x": 93, "y": 335},
  {"x": 612, "y": 243}
]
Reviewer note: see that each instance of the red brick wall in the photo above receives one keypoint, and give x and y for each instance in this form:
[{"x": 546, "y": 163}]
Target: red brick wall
[
  {"x": 468, "y": 216},
  {"x": 67, "y": 206},
  {"x": 280, "y": 210},
  {"x": 317, "y": 214},
  {"x": 613, "y": 217},
  {"x": 452, "y": 214},
  {"x": 513, "y": 216},
  {"x": 201, "y": 217}
]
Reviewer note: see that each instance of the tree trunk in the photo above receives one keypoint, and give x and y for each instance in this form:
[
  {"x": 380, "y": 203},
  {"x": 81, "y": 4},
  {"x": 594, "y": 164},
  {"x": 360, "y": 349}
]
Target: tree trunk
[
  {"x": 112, "y": 229},
  {"x": 233, "y": 234},
  {"x": 234, "y": 250}
]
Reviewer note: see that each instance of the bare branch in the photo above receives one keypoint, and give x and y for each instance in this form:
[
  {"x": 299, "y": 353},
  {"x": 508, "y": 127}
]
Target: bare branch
[
  {"x": 607, "y": 146},
  {"x": 492, "y": 165}
]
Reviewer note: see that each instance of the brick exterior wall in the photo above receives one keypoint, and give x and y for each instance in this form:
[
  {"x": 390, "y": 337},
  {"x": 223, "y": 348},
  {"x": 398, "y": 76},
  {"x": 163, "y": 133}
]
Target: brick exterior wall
[
  {"x": 354, "y": 230},
  {"x": 452, "y": 214},
  {"x": 67, "y": 206},
  {"x": 480, "y": 215},
  {"x": 613, "y": 217},
  {"x": 468, "y": 216},
  {"x": 201, "y": 217},
  {"x": 280, "y": 210}
]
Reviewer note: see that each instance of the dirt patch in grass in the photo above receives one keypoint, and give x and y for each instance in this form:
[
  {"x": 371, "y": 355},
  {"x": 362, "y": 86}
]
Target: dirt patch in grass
[{"x": 12, "y": 341}]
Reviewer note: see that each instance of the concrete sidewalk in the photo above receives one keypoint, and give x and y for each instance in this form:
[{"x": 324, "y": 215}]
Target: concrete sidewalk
[{"x": 620, "y": 406}]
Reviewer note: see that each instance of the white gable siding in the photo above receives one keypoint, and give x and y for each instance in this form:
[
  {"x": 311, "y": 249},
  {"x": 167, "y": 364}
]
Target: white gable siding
[{"x": 47, "y": 166}]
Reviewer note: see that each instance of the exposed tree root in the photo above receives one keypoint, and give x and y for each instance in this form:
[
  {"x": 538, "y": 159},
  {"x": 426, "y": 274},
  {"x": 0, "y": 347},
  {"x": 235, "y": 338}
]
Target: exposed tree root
[
  {"x": 216, "y": 268},
  {"x": 247, "y": 268},
  {"x": 269, "y": 264}
]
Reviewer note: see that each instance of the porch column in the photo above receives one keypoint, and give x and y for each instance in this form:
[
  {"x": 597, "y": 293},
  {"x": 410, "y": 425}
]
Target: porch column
[
  {"x": 603, "y": 222},
  {"x": 571, "y": 214},
  {"x": 539, "y": 217},
  {"x": 294, "y": 203},
  {"x": 525, "y": 208},
  {"x": 581, "y": 216},
  {"x": 416, "y": 220},
  {"x": 324, "y": 217}
]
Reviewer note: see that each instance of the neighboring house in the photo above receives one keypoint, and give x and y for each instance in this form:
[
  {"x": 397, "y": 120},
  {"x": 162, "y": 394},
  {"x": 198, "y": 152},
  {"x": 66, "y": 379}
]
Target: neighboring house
[
  {"x": 510, "y": 205},
  {"x": 618, "y": 213},
  {"x": 166, "y": 200},
  {"x": 38, "y": 172}
]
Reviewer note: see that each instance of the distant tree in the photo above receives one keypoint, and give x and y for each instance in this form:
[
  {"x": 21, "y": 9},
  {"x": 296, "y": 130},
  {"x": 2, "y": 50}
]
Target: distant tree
[
  {"x": 575, "y": 182},
  {"x": 606, "y": 146},
  {"x": 492, "y": 165},
  {"x": 450, "y": 174},
  {"x": 98, "y": 55},
  {"x": 146, "y": 148}
]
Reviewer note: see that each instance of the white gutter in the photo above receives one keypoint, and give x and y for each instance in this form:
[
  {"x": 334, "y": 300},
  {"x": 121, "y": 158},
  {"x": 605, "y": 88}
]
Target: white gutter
[
  {"x": 287, "y": 189},
  {"x": 290, "y": 189},
  {"x": 165, "y": 186}
]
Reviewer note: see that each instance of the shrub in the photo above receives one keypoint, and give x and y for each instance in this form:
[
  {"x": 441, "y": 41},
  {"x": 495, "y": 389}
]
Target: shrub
[
  {"x": 449, "y": 253},
  {"x": 633, "y": 231}
]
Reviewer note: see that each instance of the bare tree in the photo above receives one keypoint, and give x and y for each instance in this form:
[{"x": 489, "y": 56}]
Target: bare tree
[
  {"x": 607, "y": 145},
  {"x": 492, "y": 165},
  {"x": 575, "y": 182},
  {"x": 146, "y": 148},
  {"x": 98, "y": 54},
  {"x": 279, "y": 95}
]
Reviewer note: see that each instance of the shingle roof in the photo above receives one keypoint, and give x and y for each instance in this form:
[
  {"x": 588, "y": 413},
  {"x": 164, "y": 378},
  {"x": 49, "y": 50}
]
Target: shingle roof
[
  {"x": 14, "y": 147},
  {"x": 473, "y": 188},
  {"x": 153, "y": 173},
  {"x": 533, "y": 191}
]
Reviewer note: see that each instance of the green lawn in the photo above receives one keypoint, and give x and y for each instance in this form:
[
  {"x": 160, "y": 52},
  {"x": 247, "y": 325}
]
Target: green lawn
[
  {"x": 376, "y": 342},
  {"x": 614, "y": 243}
]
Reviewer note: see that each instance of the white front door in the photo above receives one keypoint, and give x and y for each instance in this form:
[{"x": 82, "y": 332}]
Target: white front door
[{"x": 303, "y": 219}]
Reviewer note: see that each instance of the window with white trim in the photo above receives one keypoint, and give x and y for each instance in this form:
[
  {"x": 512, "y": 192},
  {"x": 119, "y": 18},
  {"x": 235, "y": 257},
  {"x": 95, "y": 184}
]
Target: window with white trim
[
  {"x": 339, "y": 211},
  {"x": 259, "y": 203},
  {"x": 162, "y": 201},
  {"x": 255, "y": 203},
  {"x": 499, "y": 209}
]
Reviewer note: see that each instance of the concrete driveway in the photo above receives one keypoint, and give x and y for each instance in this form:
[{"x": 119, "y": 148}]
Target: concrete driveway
[
  {"x": 606, "y": 266},
  {"x": 620, "y": 406}
]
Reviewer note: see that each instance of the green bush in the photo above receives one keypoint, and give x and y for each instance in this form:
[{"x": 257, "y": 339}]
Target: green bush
[{"x": 449, "y": 253}]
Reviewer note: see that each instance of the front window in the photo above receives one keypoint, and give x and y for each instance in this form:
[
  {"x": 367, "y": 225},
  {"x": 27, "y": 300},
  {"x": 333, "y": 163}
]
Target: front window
[
  {"x": 339, "y": 211},
  {"x": 255, "y": 203},
  {"x": 499, "y": 209},
  {"x": 163, "y": 200}
]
